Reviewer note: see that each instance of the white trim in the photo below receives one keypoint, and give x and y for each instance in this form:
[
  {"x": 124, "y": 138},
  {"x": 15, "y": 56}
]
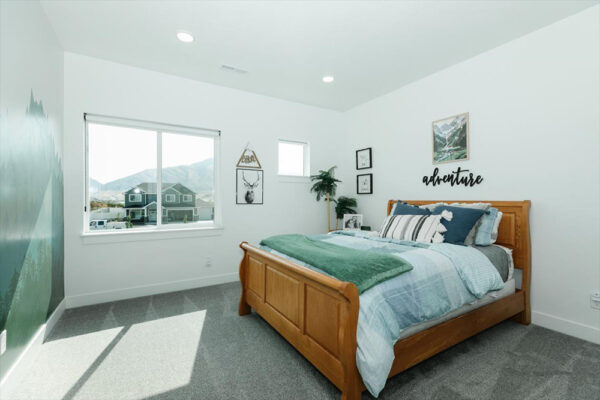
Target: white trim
[
  {"x": 159, "y": 161},
  {"x": 170, "y": 201},
  {"x": 568, "y": 327},
  {"x": 185, "y": 196},
  {"x": 293, "y": 179},
  {"x": 149, "y": 125},
  {"x": 20, "y": 368},
  {"x": 147, "y": 290},
  {"x": 157, "y": 128},
  {"x": 173, "y": 188},
  {"x": 174, "y": 231}
]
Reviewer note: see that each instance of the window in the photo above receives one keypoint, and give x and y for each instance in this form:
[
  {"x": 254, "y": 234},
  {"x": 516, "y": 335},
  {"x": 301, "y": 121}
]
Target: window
[
  {"x": 130, "y": 166},
  {"x": 294, "y": 158}
]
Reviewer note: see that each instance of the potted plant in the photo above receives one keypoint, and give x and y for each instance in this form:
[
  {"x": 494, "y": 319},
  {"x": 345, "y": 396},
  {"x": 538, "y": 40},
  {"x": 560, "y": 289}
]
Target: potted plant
[
  {"x": 324, "y": 186},
  {"x": 343, "y": 205}
]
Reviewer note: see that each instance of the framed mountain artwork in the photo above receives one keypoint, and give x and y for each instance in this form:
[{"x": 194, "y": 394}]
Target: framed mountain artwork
[{"x": 451, "y": 139}]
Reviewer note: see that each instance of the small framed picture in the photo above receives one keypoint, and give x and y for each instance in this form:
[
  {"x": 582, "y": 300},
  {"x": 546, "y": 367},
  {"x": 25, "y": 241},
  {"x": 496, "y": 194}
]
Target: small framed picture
[
  {"x": 364, "y": 184},
  {"x": 352, "y": 222},
  {"x": 451, "y": 139},
  {"x": 249, "y": 186},
  {"x": 363, "y": 159}
]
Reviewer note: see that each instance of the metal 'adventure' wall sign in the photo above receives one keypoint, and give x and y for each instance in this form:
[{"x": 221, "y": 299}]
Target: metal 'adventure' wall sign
[{"x": 454, "y": 178}]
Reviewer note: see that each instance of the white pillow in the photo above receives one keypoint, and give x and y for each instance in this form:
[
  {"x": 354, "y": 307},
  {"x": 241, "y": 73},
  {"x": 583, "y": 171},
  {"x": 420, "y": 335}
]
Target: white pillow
[
  {"x": 495, "y": 228},
  {"x": 418, "y": 228}
]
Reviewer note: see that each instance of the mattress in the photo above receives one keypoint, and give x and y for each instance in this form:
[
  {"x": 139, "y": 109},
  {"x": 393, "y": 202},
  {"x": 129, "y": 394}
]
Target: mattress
[{"x": 509, "y": 288}]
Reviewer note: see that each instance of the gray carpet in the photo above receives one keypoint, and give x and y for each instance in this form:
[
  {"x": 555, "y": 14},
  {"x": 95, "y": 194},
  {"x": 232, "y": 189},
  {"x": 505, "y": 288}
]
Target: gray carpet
[{"x": 193, "y": 345}]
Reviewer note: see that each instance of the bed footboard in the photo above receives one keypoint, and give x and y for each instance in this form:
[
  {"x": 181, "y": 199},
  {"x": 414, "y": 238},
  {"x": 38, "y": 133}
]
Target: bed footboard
[{"x": 315, "y": 313}]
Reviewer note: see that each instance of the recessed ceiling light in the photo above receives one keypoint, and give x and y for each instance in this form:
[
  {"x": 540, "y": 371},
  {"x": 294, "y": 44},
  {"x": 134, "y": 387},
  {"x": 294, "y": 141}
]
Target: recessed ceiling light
[
  {"x": 328, "y": 79},
  {"x": 185, "y": 37}
]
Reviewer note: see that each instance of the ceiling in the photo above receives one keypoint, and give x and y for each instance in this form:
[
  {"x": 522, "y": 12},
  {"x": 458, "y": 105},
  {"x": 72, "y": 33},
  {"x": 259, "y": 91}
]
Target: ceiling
[{"x": 370, "y": 47}]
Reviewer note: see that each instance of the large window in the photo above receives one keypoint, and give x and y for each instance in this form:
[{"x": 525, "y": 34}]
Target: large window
[
  {"x": 148, "y": 176},
  {"x": 294, "y": 158}
]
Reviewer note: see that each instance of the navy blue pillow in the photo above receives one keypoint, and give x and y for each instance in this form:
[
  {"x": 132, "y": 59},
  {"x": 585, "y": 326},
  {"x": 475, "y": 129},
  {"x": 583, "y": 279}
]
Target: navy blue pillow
[
  {"x": 463, "y": 220},
  {"x": 407, "y": 209}
]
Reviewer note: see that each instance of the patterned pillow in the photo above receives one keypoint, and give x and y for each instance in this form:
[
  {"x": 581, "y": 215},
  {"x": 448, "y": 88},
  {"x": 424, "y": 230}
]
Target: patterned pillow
[
  {"x": 462, "y": 222},
  {"x": 418, "y": 228}
]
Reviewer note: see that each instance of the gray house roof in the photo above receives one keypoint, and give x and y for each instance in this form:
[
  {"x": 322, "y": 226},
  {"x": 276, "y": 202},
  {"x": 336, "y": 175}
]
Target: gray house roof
[{"x": 150, "y": 187}]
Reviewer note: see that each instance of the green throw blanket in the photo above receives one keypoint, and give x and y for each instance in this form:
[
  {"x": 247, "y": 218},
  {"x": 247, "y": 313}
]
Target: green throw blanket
[{"x": 363, "y": 268}]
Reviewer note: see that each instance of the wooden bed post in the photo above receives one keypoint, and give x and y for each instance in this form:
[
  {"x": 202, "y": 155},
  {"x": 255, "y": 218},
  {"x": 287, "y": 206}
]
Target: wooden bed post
[
  {"x": 243, "y": 308},
  {"x": 353, "y": 384},
  {"x": 525, "y": 245}
]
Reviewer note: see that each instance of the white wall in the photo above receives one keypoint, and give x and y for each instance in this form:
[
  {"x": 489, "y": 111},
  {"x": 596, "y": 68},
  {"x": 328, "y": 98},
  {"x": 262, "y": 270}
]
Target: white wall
[
  {"x": 108, "y": 271},
  {"x": 534, "y": 107}
]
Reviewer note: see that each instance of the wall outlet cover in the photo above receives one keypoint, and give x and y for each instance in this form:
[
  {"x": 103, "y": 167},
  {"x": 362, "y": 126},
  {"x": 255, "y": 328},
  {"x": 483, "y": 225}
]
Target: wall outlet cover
[
  {"x": 2, "y": 342},
  {"x": 595, "y": 300}
]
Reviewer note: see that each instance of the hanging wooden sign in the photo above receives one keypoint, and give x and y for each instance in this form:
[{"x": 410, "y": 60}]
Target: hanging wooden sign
[{"x": 248, "y": 159}]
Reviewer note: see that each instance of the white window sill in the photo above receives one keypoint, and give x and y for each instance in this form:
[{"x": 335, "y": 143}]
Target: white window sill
[
  {"x": 293, "y": 179},
  {"x": 150, "y": 234}
]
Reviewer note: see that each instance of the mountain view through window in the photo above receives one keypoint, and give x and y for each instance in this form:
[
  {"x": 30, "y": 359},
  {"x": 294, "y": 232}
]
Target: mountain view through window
[{"x": 123, "y": 178}]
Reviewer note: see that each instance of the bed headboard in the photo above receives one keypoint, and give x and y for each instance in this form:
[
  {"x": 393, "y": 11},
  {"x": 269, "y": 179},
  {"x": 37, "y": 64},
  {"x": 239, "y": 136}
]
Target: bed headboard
[{"x": 513, "y": 231}]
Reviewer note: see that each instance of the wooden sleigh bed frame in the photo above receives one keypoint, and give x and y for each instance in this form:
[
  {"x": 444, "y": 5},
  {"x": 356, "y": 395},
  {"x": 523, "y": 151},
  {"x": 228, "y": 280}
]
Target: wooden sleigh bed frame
[{"x": 318, "y": 314}]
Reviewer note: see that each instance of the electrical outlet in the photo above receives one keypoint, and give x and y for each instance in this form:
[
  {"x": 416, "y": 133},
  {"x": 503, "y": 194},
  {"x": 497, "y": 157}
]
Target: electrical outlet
[
  {"x": 2, "y": 342},
  {"x": 595, "y": 300},
  {"x": 208, "y": 262}
]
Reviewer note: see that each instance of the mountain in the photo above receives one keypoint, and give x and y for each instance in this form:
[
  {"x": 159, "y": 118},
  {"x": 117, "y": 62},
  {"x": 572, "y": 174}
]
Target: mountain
[
  {"x": 450, "y": 135},
  {"x": 95, "y": 186},
  {"x": 198, "y": 177}
]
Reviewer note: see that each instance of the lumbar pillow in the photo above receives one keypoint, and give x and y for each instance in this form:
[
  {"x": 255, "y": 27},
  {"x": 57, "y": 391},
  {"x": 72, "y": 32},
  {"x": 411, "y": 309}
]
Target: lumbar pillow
[
  {"x": 462, "y": 222},
  {"x": 418, "y": 228},
  {"x": 407, "y": 209}
]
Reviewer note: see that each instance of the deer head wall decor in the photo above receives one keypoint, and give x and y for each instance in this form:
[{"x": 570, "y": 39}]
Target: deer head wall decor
[{"x": 250, "y": 186}]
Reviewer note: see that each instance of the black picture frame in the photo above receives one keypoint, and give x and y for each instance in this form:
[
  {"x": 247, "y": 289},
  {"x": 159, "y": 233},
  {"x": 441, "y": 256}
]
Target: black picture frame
[
  {"x": 368, "y": 149},
  {"x": 261, "y": 180},
  {"x": 370, "y": 184}
]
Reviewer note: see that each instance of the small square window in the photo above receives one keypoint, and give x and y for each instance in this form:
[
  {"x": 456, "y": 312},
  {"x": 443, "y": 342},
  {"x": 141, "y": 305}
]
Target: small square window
[
  {"x": 170, "y": 198},
  {"x": 187, "y": 198},
  {"x": 294, "y": 158}
]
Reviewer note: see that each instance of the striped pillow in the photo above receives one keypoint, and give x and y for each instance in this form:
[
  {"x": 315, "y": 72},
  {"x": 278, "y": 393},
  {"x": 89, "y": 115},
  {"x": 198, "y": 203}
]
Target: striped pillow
[{"x": 418, "y": 228}]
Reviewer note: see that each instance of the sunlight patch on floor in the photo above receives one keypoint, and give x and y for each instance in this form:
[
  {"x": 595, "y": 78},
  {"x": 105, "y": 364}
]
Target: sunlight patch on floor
[
  {"x": 150, "y": 358},
  {"x": 62, "y": 362}
]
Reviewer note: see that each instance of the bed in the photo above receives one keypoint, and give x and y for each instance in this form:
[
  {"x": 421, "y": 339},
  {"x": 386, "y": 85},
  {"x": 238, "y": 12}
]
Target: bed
[{"x": 319, "y": 315}]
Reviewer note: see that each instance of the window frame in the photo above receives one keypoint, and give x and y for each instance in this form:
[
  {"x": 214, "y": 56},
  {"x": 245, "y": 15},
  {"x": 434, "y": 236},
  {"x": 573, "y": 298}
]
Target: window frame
[
  {"x": 305, "y": 158},
  {"x": 134, "y": 194},
  {"x": 170, "y": 196},
  {"x": 158, "y": 128},
  {"x": 186, "y": 196}
]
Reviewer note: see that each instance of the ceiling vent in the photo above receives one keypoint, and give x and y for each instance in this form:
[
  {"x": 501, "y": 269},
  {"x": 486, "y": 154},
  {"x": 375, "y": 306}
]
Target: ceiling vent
[{"x": 229, "y": 68}]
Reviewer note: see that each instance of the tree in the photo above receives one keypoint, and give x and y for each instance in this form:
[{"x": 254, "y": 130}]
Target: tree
[
  {"x": 324, "y": 186},
  {"x": 343, "y": 205}
]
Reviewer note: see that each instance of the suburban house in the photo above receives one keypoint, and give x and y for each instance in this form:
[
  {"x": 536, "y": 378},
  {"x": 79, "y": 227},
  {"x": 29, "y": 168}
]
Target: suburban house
[{"x": 179, "y": 204}]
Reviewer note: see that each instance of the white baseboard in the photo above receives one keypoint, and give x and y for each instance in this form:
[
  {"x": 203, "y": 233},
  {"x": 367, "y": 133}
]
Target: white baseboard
[
  {"x": 148, "y": 290},
  {"x": 568, "y": 327},
  {"x": 21, "y": 366}
]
